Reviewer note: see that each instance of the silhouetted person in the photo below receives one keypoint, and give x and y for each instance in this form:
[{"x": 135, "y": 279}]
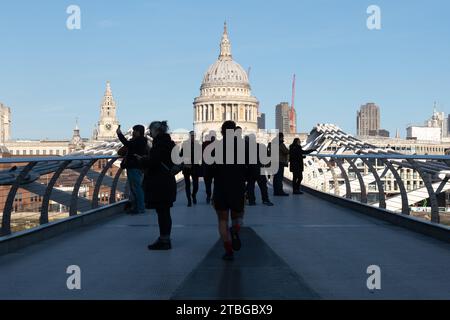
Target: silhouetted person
[
  {"x": 229, "y": 195},
  {"x": 296, "y": 156},
  {"x": 283, "y": 162},
  {"x": 206, "y": 168},
  {"x": 191, "y": 169},
  {"x": 137, "y": 145},
  {"x": 162, "y": 187},
  {"x": 255, "y": 175}
]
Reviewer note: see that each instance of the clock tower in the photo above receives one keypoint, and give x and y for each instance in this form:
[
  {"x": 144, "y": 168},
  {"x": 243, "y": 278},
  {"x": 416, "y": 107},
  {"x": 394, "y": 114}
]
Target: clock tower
[{"x": 107, "y": 126}]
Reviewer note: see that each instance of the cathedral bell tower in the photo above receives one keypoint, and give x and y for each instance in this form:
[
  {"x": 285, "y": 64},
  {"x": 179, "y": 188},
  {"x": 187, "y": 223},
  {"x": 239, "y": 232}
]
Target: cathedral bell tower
[{"x": 108, "y": 124}]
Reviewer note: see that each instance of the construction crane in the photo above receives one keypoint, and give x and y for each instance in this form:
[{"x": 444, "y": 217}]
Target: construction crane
[{"x": 292, "y": 117}]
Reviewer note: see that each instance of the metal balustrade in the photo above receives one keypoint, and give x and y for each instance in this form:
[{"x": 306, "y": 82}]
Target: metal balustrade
[
  {"x": 331, "y": 173},
  {"x": 36, "y": 191}
]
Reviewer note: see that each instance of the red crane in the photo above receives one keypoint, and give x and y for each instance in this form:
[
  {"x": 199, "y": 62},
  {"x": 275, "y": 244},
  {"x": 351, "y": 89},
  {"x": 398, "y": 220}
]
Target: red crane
[{"x": 292, "y": 124}]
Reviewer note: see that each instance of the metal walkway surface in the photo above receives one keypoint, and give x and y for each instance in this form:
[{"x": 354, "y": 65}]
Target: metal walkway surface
[{"x": 302, "y": 248}]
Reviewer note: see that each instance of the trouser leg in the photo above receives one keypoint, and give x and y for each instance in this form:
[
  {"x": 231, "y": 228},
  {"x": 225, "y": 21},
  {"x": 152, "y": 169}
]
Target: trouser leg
[
  {"x": 208, "y": 186},
  {"x": 194, "y": 185},
  {"x": 278, "y": 180},
  {"x": 135, "y": 178},
  {"x": 262, "y": 184},
  {"x": 295, "y": 181},
  {"x": 187, "y": 183},
  {"x": 300, "y": 179},
  {"x": 131, "y": 195},
  {"x": 251, "y": 190},
  {"x": 164, "y": 222}
]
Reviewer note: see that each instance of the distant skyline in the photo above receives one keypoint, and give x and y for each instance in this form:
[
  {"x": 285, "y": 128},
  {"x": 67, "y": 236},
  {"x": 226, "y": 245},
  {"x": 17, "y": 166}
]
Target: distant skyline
[{"x": 155, "y": 54}]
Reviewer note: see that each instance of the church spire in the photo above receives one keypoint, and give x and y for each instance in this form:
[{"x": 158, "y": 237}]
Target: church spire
[
  {"x": 225, "y": 45},
  {"x": 108, "y": 88}
]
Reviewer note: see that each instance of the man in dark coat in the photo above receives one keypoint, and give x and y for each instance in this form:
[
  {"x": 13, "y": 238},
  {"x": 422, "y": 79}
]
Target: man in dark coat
[
  {"x": 137, "y": 145},
  {"x": 296, "y": 155},
  {"x": 283, "y": 162}
]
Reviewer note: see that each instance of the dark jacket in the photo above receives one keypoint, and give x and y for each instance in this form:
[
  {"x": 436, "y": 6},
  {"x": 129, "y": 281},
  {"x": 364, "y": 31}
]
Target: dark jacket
[
  {"x": 160, "y": 185},
  {"x": 296, "y": 155},
  {"x": 192, "y": 168},
  {"x": 205, "y": 168},
  {"x": 134, "y": 146},
  {"x": 283, "y": 152},
  {"x": 253, "y": 169},
  {"x": 229, "y": 183}
]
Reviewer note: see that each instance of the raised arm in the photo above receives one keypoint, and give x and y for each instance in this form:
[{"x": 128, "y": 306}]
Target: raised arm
[{"x": 122, "y": 138}]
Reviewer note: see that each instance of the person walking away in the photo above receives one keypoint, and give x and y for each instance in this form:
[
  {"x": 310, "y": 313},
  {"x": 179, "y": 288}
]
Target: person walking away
[
  {"x": 296, "y": 166},
  {"x": 205, "y": 168},
  {"x": 137, "y": 145},
  {"x": 283, "y": 162},
  {"x": 191, "y": 170},
  {"x": 162, "y": 187},
  {"x": 229, "y": 195},
  {"x": 256, "y": 176}
]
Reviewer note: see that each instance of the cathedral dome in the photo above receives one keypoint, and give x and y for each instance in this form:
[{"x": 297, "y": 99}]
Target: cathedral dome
[
  {"x": 225, "y": 71},
  {"x": 225, "y": 94}
]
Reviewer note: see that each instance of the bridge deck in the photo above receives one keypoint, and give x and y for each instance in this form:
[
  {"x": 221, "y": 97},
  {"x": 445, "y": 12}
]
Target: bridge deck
[{"x": 303, "y": 247}]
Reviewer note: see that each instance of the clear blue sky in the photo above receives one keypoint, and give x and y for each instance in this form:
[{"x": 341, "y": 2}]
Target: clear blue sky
[{"x": 156, "y": 52}]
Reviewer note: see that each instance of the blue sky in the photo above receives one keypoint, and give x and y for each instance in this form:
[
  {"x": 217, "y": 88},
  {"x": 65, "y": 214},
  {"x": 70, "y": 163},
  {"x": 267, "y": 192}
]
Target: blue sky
[{"x": 156, "y": 52}]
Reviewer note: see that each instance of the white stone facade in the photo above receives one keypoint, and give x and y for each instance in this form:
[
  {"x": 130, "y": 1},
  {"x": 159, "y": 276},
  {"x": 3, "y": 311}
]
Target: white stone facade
[
  {"x": 108, "y": 124},
  {"x": 225, "y": 94},
  {"x": 5, "y": 123},
  {"x": 37, "y": 148}
]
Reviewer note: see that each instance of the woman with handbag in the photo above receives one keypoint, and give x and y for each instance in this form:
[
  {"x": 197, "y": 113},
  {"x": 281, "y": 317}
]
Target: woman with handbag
[{"x": 161, "y": 186}]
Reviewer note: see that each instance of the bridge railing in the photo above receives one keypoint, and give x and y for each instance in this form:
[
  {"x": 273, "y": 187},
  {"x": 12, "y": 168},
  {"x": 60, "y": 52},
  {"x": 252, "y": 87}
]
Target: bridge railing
[
  {"x": 404, "y": 184},
  {"x": 36, "y": 191}
]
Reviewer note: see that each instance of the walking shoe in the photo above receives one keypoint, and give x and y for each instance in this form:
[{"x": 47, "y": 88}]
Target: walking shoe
[
  {"x": 268, "y": 203},
  {"x": 194, "y": 199},
  {"x": 235, "y": 240},
  {"x": 228, "y": 256},
  {"x": 297, "y": 192},
  {"x": 160, "y": 245},
  {"x": 208, "y": 200}
]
